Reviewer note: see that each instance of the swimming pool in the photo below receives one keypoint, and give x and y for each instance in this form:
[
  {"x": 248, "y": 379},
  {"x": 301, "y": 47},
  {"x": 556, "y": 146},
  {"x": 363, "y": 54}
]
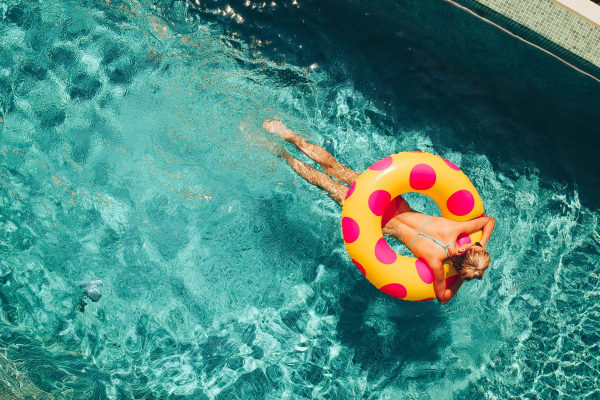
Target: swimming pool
[{"x": 132, "y": 152}]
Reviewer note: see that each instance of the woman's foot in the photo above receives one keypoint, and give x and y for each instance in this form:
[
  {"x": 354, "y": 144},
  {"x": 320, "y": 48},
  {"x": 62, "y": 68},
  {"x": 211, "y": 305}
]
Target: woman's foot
[
  {"x": 256, "y": 138},
  {"x": 278, "y": 128}
]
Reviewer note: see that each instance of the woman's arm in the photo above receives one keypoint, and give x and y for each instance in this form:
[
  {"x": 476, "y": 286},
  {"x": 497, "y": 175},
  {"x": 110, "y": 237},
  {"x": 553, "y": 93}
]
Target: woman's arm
[
  {"x": 485, "y": 224},
  {"x": 443, "y": 293},
  {"x": 488, "y": 228}
]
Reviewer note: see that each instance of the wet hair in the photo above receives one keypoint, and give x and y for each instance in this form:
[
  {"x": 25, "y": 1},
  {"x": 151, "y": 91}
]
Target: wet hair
[{"x": 471, "y": 263}]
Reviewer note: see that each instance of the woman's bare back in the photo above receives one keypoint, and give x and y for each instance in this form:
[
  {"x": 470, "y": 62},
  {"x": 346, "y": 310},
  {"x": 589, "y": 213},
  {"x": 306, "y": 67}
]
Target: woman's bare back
[{"x": 410, "y": 224}]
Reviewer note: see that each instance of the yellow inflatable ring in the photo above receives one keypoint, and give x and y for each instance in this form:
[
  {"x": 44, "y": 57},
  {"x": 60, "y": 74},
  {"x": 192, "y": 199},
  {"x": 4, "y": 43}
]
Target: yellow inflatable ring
[{"x": 370, "y": 203}]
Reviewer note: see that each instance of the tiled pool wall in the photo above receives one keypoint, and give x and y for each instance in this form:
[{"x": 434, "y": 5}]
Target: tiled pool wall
[{"x": 548, "y": 25}]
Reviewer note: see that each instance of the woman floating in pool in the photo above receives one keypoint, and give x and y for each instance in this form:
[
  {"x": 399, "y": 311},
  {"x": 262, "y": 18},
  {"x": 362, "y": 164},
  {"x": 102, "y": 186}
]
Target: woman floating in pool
[{"x": 430, "y": 238}]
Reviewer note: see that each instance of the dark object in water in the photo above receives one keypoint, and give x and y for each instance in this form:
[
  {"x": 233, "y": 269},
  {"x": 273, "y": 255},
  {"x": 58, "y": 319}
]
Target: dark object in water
[
  {"x": 81, "y": 306},
  {"x": 90, "y": 289}
]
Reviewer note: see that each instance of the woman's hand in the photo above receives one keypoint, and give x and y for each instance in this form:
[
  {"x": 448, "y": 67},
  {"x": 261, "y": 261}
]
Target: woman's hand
[{"x": 443, "y": 293}]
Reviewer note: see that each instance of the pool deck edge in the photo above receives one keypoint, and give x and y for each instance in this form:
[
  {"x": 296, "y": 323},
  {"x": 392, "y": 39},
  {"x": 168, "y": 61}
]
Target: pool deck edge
[
  {"x": 584, "y": 8},
  {"x": 555, "y": 30}
]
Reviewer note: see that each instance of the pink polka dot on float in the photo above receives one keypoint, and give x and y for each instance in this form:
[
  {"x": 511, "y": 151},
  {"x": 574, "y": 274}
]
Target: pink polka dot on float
[
  {"x": 422, "y": 177},
  {"x": 351, "y": 190},
  {"x": 424, "y": 271},
  {"x": 384, "y": 253},
  {"x": 360, "y": 267},
  {"x": 389, "y": 213},
  {"x": 350, "y": 229},
  {"x": 463, "y": 238},
  {"x": 382, "y": 164},
  {"x": 378, "y": 201},
  {"x": 460, "y": 203},
  {"x": 451, "y": 164},
  {"x": 394, "y": 289}
]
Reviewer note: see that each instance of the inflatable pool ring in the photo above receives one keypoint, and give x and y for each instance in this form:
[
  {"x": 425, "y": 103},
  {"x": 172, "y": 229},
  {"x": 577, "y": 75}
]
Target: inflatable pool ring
[{"x": 371, "y": 202}]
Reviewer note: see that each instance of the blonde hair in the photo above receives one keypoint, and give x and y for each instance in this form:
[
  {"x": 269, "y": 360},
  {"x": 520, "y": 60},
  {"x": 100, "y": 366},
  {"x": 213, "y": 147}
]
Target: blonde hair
[{"x": 472, "y": 264}]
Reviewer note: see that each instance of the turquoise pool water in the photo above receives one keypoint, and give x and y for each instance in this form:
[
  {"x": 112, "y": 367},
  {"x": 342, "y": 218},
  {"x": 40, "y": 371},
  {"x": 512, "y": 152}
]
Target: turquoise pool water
[{"x": 132, "y": 152}]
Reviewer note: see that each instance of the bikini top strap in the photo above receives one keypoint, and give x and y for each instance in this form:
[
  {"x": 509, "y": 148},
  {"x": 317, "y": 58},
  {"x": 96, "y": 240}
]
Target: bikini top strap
[
  {"x": 420, "y": 232},
  {"x": 446, "y": 247}
]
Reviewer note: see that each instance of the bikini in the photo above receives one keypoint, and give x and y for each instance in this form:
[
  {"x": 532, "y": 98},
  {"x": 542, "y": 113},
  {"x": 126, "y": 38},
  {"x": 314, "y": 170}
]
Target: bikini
[{"x": 429, "y": 237}]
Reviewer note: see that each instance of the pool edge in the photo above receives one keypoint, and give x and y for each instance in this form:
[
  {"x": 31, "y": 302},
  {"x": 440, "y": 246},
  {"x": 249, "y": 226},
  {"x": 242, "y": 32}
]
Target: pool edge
[{"x": 529, "y": 36}]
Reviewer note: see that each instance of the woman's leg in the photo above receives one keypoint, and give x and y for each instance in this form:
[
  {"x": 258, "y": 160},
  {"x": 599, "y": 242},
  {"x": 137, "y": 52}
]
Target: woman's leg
[
  {"x": 318, "y": 154},
  {"x": 336, "y": 190}
]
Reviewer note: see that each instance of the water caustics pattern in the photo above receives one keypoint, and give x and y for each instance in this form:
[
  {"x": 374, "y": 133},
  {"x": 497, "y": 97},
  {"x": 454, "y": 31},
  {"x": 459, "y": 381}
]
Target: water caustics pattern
[{"x": 131, "y": 151}]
